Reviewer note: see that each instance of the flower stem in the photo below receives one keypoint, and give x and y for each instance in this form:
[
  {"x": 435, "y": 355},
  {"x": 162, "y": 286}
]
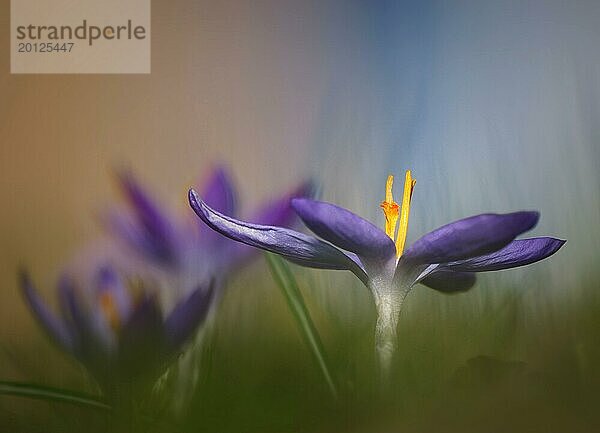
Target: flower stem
[{"x": 388, "y": 303}]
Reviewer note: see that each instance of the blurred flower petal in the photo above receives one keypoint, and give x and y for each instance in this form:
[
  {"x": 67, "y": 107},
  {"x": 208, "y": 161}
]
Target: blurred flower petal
[
  {"x": 279, "y": 212},
  {"x": 126, "y": 229},
  {"x": 52, "y": 325},
  {"x": 187, "y": 316},
  {"x": 141, "y": 340},
  {"x": 92, "y": 338},
  {"x": 218, "y": 191},
  {"x": 158, "y": 229}
]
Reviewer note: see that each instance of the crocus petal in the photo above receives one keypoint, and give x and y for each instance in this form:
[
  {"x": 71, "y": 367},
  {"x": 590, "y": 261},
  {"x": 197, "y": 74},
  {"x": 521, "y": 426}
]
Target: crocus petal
[
  {"x": 141, "y": 340},
  {"x": 93, "y": 339},
  {"x": 156, "y": 225},
  {"x": 187, "y": 316},
  {"x": 449, "y": 281},
  {"x": 298, "y": 247},
  {"x": 145, "y": 319},
  {"x": 470, "y": 237},
  {"x": 64, "y": 288},
  {"x": 218, "y": 191},
  {"x": 126, "y": 229},
  {"x": 55, "y": 327},
  {"x": 518, "y": 253},
  {"x": 344, "y": 229},
  {"x": 278, "y": 212}
]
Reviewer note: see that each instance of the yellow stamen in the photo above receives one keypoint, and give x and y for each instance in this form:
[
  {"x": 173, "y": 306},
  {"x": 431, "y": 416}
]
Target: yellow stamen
[
  {"x": 390, "y": 209},
  {"x": 109, "y": 308},
  {"x": 409, "y": 185}
]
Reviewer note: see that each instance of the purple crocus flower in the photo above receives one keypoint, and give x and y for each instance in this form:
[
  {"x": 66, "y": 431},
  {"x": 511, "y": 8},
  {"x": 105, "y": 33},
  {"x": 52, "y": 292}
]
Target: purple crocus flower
[
  {"x": 115, "y": 327},
  {"x": 445, "y": 259},
  {"x": 184, "y": 251}
]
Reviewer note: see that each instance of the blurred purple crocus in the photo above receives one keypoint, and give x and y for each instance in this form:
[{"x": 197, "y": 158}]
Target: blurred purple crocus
[
  {"x": 115, "y": 327},
  {"x": 445, "y": 259},
  {"x": 184, "y": 251},
  {"x": 183, "y": 246}
]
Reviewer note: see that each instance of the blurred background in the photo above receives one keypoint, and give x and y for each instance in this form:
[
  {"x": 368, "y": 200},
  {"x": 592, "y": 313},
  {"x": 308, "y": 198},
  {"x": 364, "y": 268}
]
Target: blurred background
[{"x": 493, "y": 105}]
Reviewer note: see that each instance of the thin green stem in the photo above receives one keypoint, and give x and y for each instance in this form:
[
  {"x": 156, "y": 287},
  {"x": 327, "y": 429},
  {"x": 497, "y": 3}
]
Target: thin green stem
[
  {"x": 39, "y": 392},
  {"x": 289, "y": 287}
]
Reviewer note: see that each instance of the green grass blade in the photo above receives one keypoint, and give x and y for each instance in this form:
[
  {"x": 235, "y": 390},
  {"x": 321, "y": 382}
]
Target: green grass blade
[
  {"x": 39, "y": 392},
  {"x": 289, "y": 287}
]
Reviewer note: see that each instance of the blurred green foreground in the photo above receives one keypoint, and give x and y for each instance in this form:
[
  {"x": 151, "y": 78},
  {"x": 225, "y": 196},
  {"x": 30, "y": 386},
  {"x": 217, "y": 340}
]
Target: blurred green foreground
[{"x": 496, "y": 359}]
